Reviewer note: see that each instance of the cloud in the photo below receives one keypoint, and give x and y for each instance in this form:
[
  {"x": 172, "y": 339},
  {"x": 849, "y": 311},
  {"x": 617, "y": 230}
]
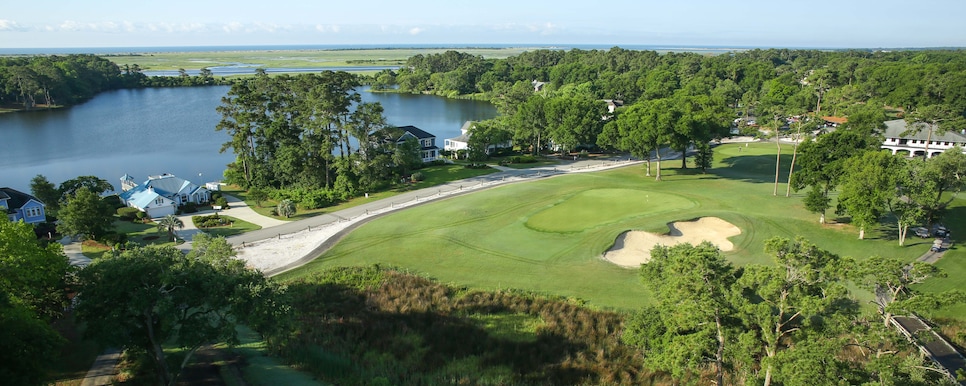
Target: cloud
[
  {"x": 10, "y": 25},
  {"x": 415, "y": 31},
  {"x": 328, "y": 28}
]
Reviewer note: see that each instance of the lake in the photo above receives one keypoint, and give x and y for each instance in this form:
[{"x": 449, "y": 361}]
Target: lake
[{"x": 151, "y": 131}]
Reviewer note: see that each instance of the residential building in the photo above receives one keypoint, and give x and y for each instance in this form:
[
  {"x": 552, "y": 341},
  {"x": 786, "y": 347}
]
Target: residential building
[
  {"x": 161, "y": 195},
  {"x": 463, "y": 141},
  {"x": 900, "y": 139},
  {"x": 20, "y": 206},
  {"x": 427, "y": 142}
]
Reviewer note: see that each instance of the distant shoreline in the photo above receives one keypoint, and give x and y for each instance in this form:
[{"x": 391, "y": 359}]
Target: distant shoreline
[{"x": 349, "y": 47}]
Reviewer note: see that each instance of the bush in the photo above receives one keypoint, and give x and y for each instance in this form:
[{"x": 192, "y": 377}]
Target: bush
[
  {"x": 417, "y": 177},
  {"x": 523, "y": 159},
  {"x": 209, "y": 221},
  {"x": 128, "y": 213},
  {"x": 114, "y": 238},
  {"x": 141, "y": 215},
  {"x": 189, "y": 207},
  {"x": 222, "y": 202},
  {"x": 476, "y": 166}
]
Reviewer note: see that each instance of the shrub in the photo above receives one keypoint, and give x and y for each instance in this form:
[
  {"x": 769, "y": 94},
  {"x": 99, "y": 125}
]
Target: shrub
[
  {"x": 209, "y": 221},
  {"x": 222, "y": 202},
  {"x": 189, "y": 207},
  {"x": 417, "y": 176},
  {"x": 114, "y": 238},
  {"x": 128, "y": 213},
  {"x": 141, "y": 215},
  {"x": 523, "y": 159},
  {"x": 475, "y": 166}
]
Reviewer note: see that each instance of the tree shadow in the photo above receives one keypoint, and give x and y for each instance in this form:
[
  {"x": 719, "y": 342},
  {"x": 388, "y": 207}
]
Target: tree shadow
[{"x": 753, "y": 168}]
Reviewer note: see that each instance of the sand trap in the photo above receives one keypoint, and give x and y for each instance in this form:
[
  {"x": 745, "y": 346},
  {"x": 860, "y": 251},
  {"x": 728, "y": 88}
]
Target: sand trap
[{"x": 633, "y": 248}]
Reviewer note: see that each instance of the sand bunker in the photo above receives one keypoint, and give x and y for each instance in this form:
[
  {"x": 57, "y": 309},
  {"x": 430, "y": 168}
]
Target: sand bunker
[{"x": 633, "y": 248}]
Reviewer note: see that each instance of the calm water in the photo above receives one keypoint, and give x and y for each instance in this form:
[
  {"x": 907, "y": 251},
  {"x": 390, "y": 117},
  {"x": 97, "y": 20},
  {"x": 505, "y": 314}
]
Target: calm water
[{"x": 167, "y": 130}]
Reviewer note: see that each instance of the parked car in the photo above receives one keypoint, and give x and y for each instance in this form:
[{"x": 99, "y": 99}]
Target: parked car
[
  {"x": 921, "y": 232},
  {"x": 941, "y": 231}
]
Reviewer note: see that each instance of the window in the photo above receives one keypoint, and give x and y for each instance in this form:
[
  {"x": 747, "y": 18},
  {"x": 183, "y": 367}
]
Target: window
[
  {"x": 158, "y": 201},
  {"x": 33, "y": 212}
]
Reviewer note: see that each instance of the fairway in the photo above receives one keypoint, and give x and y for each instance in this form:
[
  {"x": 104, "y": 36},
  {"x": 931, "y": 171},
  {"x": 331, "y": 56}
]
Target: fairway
[{"x": 548, "y": 235}]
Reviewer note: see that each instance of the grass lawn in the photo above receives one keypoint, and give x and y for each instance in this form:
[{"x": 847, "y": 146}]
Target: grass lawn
[
  {"x": 547, "y": 235},
  {"x": 434, "y": 175},
  {"x": 237, "y": 227},
  {"x": 308, "y": 58}
]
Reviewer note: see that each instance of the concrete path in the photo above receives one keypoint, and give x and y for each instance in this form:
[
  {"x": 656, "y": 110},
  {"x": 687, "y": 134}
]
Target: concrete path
[
  {"x": 73, "y": 251},
  {"x": 932, "y": 257},
  {"x": 103, "y": 370}
]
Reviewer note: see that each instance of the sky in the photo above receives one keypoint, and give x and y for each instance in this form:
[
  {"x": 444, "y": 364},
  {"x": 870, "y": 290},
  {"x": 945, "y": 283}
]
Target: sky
[{"x": 743, "y": 23}]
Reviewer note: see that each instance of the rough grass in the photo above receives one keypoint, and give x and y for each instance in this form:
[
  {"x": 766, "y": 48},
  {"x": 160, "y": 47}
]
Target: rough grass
[{"x": 482, "y": 240}]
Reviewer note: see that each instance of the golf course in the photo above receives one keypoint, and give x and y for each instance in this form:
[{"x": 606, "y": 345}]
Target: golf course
[{"x": 548, "y": 236}]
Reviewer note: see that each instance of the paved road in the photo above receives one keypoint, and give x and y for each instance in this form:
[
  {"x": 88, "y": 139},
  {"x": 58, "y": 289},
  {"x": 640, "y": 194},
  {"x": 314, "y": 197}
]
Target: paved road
[{"x": 941, "y": 351}]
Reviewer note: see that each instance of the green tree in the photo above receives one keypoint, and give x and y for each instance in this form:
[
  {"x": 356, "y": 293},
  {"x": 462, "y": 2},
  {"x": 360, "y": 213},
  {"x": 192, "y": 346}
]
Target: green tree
[
  {"x": 257, "y": 194},
  {"x": 95, "y": 185},
  {"x": 869, "y": 183},
  {"x": 46, "y": 192},
  {"x": 894, "y": 282},
  {"x": 939, "y": 175},
  {"x": 483, "y": 135},
  {"x": 85, "y": 214},
  {"x": 784, "y": 304},
  {"x": 150, "y": 297},
  {"x": 688, "y": 325},
  {"x": 530, "y": 121},
  {"x": 286, "y": 208},
  {"x": 822, "y": 162},
  {"x": 644, "y": 127},
  {"x": 168, "y": 224},
  {"x": 32, "y": 293}
]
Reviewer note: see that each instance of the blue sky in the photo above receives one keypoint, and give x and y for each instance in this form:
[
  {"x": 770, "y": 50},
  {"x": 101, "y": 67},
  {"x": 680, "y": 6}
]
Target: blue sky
[{"x": 767, "y": 23}]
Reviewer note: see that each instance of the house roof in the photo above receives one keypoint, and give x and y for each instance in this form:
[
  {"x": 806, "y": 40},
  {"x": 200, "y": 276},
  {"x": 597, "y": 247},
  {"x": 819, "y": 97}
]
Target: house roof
[
  {"x": 16, "y": 199},
  {"x": 464, "y": 133},
  {"x": 167, "y": 184},
  {"x": 835, "y": 120},
  {"x": 142, "y": 198},
  {"x": 897, "y": 127},
  {"x": 416, "y": 132}
]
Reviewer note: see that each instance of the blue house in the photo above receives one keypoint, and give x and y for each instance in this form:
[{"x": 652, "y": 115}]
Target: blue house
[
  {"x": 21, "y": 206},
  {"x": 161, "y": 195},
  {"x": 427, "y": 142}
]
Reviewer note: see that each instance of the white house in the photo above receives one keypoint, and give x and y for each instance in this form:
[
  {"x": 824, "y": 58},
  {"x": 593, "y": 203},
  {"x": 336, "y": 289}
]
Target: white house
[
  {"x": 463, "y": 141},
  {"x": 161, "y": 195},
  {"x": 427, "y": 142},
  {"x": 899, "y": 139}
]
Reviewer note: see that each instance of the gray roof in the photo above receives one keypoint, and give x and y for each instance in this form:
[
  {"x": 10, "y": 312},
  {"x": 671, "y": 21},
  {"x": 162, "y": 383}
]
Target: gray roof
[
  {"x": 896, "y": 128},
  {"x": 16, "y": 199},
  {"x": 416, "y": 132}
]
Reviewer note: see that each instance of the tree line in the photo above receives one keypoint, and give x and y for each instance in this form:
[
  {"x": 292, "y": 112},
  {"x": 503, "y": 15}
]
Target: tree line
[
  {"x": 310, "y": 138},
  {"x": 29, "y": 81}
]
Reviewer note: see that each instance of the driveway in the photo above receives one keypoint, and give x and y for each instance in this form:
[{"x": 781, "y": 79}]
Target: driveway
[{"x": 236, "y": 208}]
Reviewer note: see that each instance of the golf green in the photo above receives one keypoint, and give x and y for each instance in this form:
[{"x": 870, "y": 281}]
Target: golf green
[{"x": 596, "y": 207}]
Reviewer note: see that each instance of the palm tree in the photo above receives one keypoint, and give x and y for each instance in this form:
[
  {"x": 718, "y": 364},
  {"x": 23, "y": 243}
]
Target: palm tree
[
  {"x": 169, "y": 223},
  {"x": 286, "y": 208}
]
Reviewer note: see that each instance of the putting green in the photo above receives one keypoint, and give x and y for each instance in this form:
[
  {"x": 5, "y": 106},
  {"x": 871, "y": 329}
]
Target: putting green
[{"x": 596, "y": 207}]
